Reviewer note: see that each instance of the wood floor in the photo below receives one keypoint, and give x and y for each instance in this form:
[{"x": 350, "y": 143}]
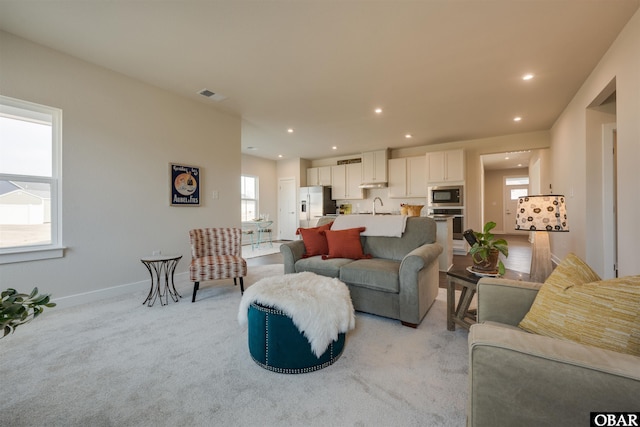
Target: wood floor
[{"x": 519, "y": 257}]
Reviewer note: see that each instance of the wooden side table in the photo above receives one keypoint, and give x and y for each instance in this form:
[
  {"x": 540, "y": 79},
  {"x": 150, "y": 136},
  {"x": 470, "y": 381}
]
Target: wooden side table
[{"x": 460, "y": 314}]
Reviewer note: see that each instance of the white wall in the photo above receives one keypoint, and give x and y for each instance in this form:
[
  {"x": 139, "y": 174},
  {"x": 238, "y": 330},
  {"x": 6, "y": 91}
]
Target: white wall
[
  {"x": 119, "y": 136},
  {"x": 569, "y": 154}
]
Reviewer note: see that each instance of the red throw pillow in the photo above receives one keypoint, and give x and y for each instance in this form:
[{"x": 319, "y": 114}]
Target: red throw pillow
[
  {"x": 315, "y": 242},
  {"x": 319, "y": 228},
  {"x": 345, "y": 244}
]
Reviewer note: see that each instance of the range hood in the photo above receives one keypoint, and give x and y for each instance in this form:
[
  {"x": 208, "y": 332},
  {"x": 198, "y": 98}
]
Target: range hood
[{"x": 373, "y": 185}]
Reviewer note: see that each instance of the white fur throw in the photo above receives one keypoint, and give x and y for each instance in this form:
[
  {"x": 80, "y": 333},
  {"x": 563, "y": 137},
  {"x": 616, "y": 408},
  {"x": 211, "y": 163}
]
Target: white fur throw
[{"x": 319, "y": 306}]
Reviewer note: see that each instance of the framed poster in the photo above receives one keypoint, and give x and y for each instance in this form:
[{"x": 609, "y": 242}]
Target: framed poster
[{"x": 185, "y": 185}]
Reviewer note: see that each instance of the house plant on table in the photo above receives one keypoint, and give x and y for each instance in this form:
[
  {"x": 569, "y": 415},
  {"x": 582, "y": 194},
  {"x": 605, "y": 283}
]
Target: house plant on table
[
  {"x": 486, "y": 251},
  {"x": 17, "y": 309}
]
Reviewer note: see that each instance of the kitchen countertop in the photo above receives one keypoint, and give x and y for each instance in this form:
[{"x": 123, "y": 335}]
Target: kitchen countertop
[{"x": 440, "y": 217}]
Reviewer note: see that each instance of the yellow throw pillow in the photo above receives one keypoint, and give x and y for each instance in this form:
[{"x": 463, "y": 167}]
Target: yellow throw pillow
[{"x": 574, "y": 304}]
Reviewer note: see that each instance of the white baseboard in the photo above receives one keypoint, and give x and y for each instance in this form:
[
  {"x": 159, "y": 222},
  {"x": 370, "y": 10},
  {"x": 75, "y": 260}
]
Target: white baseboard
[{"x": 180, "y": 279}]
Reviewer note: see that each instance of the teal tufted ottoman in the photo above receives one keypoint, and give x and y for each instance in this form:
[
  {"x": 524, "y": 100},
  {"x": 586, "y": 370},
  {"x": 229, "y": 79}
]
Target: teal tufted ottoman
[
  {"x": 276, "y": 344},
  {"x": 296, "y": 323}
]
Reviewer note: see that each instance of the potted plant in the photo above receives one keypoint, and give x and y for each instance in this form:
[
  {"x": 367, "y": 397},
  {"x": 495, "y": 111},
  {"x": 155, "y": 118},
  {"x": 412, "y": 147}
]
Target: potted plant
[
  {"x": 486, "y": 251},
  {"x": 18, "y": 309}
]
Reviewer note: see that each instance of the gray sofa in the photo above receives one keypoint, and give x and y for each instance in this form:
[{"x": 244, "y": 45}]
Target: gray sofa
[
  {"x": 400, "y": 281},
  {"x": 522, "y": 379}
]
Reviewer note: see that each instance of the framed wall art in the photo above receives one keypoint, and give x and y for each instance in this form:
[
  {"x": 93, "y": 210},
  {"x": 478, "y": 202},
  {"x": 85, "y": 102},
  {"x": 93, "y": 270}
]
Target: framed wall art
[{"x": 185, "y": 185}]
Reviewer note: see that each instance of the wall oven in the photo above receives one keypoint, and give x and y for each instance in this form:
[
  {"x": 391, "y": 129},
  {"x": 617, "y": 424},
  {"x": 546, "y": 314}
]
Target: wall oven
[
  {"x": 458, "y": 220},
  {"x": 442, "y": 196}
]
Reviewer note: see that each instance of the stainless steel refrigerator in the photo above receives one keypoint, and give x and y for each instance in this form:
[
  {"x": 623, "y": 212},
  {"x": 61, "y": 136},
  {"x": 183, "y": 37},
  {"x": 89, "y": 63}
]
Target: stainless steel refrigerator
[{"x": 315, "y": 202}]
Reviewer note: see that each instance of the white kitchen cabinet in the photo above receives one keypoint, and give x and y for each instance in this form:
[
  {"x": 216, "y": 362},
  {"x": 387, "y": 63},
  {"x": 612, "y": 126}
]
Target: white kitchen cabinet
[
  {"x": 407, "y": 177},
  {"x": 324, "y": 175},
  {"x": 445, "y": 166},
  {"x": 312, "y": 177},
  {"x": 374, "y": 167},
  {"x": 416, "y": 177},
  {"x": 345, "y": 181},
  {"x": 319, "y": 176}
]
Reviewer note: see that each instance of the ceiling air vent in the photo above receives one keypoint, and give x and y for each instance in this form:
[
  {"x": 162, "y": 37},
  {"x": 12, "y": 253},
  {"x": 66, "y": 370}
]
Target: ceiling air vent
[{"x": 212, "y": 95}]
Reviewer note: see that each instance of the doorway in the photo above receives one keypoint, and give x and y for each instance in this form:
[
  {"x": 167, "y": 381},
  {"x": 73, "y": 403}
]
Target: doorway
[
  {"x": 513, "y": 188},
  {"x": 610, "y": 197},
  {"x": 287, "y": 209},
  {"x": 601, "y": 199}
]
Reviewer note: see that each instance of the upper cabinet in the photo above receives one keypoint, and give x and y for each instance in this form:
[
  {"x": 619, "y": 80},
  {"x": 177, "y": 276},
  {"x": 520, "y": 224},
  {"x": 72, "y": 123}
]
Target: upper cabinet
[
  {"x": 319, "y": 176},
  {"x": 374, "y": 167},
  {"x": 407, "y": 177},
  {"x": 345, "y": 181},
  {"x": 445, "y": 166}
]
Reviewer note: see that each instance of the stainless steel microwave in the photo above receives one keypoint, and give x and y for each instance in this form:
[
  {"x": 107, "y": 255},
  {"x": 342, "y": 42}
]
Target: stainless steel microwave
[{"x": 446, "y": 195}]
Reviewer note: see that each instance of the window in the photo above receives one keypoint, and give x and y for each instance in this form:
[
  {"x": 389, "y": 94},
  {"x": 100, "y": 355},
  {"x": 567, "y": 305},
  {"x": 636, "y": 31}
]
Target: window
[
  {"x": 517, "y": 180},
  {"x": 249, "y": 197},
  {"x": 30, "y": 205},
  {"x": 520, "y": 184}
]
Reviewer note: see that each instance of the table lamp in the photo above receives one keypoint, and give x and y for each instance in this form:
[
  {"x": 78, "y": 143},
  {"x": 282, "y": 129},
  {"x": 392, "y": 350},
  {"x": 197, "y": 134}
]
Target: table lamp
[{"x": 541, "y": 214}]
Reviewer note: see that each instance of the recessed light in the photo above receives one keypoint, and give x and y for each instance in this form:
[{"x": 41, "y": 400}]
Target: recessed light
[
  {"x": 378, "y": 110},
  {"x": 519, "y": 165},
  {"x": 517, "y": 119},
  {"x": 408, "y": 136},
  {"x": 280, "y": 156},
  {"x": 290, "y": 130},
  {"x": 528, "y": 76},
  {"x": 334, "y": 148},
  {"x": 506, "y": 158}
]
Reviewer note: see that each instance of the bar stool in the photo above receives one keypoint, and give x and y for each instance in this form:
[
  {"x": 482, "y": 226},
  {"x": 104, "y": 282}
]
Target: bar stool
[
  {"x": 249, "y": 231},
  {"x": 264, "y": 227}
]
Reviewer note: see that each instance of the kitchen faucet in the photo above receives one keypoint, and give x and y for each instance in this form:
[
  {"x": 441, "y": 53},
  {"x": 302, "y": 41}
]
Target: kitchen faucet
[{"x": 374, "y": 204}]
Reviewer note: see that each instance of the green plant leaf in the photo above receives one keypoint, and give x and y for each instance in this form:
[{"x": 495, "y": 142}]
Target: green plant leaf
[
  {"x": 489, "y": 226},
  {"x": 17, "y": 309}
]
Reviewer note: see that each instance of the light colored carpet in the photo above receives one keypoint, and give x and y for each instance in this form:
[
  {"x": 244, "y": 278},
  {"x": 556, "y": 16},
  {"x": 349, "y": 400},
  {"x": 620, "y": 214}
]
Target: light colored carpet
[
  {"x": 118, "y": 362},
  {"x": 263, "y": 249}
]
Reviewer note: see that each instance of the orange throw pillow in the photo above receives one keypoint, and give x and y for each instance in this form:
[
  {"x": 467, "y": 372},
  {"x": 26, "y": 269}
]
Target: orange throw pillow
[
  {"x": 315, "y": 242},
  {"x": 345, "y": 244}
]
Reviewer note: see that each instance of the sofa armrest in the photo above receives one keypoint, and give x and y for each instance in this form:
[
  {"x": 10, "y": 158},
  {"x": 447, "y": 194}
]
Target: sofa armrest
[
  {"x": 418, "y": 282},
  {"x": 505, "y": 301},
  {"x": 421, "y": 256},
  {"x": 291, "y": 252},
  {"x": 523, "y": 379}
]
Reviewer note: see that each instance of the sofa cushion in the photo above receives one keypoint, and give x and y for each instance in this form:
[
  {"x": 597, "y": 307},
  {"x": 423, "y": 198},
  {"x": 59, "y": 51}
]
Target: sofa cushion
[
  {"x": 345, "y": 244},
  {"x": 547, "y": 309},
  {"x": 315, "y": 264},
  {"x": 315, "y": 242},
  {"x": 418, "y": 231},
  {"x": 378, "y": 274},
  {"x": 603, "y": 314}
]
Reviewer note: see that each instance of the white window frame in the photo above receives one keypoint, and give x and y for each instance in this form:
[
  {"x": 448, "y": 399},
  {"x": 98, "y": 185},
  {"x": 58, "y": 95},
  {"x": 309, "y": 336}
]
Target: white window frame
[
  {"x": 257, "y": 192},
  {"x": 55, "y": 248}
]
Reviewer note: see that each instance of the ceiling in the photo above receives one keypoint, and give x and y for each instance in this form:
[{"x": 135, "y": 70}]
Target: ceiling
[
  {"x": 510, "y": 160},
  {"x": 441, "y": 70}
]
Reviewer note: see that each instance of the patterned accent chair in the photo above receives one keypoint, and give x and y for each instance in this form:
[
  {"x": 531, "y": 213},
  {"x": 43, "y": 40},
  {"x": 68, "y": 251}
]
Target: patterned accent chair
[{"x": 216, "y": 253}]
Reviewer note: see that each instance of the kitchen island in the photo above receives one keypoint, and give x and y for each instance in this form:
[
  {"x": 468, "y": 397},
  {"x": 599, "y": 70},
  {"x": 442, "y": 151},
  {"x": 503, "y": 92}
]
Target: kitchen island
[{"x": 444, "y": 236}]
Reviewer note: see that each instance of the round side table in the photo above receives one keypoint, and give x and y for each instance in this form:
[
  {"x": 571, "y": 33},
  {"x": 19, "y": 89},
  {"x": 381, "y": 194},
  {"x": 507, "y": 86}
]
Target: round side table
[{"x": 161, "y": 265}]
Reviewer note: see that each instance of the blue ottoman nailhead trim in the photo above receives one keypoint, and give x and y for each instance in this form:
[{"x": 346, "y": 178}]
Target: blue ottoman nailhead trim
[{"x": 276, "y": 344}]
